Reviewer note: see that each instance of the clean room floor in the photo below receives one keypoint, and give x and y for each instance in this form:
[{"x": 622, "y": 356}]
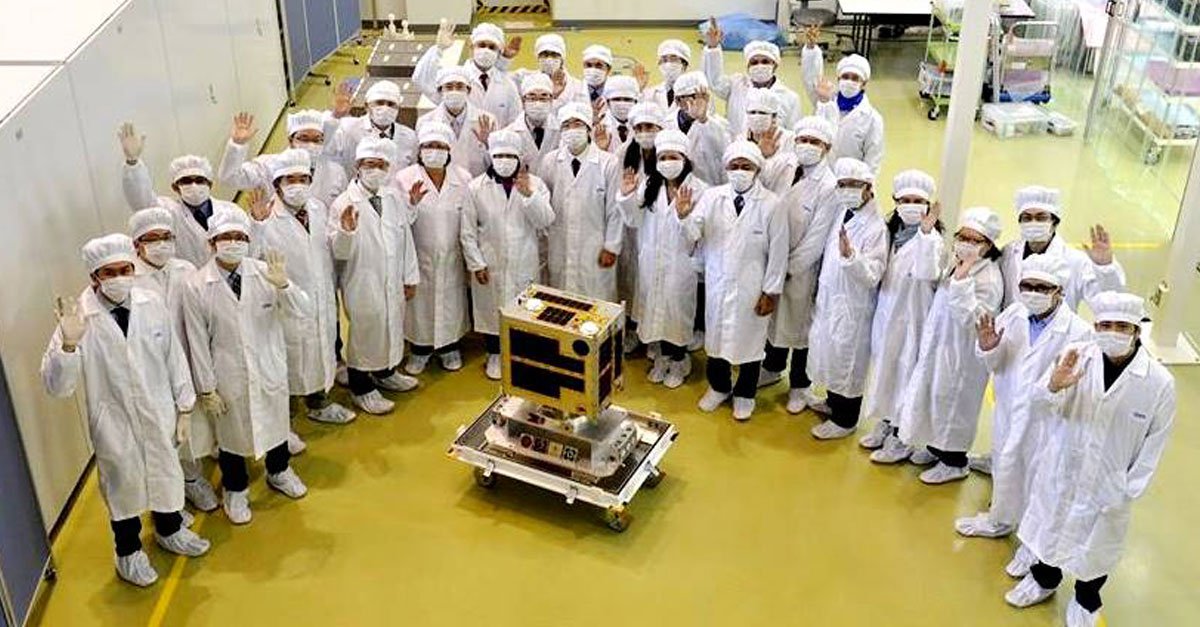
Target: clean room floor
[{"x": 755, "y": 524}]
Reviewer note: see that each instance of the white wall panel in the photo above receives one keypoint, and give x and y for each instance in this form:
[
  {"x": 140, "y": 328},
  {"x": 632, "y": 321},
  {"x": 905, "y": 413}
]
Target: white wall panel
[
  {"x": 426, "y": 12},
  {"x": 258, "y": 61}
]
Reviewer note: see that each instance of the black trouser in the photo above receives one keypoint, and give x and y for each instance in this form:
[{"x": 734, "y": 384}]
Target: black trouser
[
  {"x": 954, "y": 459},
  {"x": 720, "y": 374},
  {"x": 421, "y": 350},
  {"x": 672, "y": 351},
  {"x": 337, "y": 340},
  {"x": 363, "y": 382},
  {"x": 234, "y": 476},
  {"x": 698, "y": 325},
  {"x": 127, "y": 533},
  {"x": 1087, "y": 593},
  {"x": 316, "y": 401},
  {"x": 491, "y": 344},
  {"x": 776, "y": 361},
  {"x": 843, "y": 411}
]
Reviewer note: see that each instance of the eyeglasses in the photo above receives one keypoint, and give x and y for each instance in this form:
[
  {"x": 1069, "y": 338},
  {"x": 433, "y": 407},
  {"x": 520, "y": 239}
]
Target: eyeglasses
[
  {"x": 1040, "y": 288},
  {"x": 161, "y": 236},
  {"x": 192, "y": 180}
]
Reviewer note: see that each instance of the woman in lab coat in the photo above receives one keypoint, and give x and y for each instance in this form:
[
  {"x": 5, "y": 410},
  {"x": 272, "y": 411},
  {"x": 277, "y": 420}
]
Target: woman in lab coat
[
  {"x": 469, "y": 124},
  {"x": 502, "y": 213},
  {"x": 435, "y": 190},
  {"x": 943, "y": 397},
  {"x": 1109, "y": 408}
]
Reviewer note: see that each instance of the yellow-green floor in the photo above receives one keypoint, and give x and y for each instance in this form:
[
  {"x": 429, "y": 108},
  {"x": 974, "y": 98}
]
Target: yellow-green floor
[{"x": 755, "y": 524}]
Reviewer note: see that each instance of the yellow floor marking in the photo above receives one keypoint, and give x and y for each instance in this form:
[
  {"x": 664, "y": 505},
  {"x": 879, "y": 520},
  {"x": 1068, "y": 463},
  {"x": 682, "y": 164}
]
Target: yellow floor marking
[{"x": 172, "y": 581}]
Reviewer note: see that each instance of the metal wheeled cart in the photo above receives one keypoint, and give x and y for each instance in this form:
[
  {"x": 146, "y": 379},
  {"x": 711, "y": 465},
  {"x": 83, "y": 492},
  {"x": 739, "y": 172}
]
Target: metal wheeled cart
[
  {"x": 1023, "y": 62},
  {"x": 935, "y": 76}
]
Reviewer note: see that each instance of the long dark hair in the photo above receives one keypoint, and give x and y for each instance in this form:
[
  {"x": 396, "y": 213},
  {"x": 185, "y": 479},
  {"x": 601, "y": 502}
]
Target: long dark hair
[{"x": 655, "y": 182}]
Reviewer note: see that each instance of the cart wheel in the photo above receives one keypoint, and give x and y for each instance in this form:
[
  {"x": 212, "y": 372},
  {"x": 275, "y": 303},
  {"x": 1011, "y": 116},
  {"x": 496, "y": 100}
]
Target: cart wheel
[
  {"x": 934, "y": 113},
  {"x": 1152, "y": 156},
  {"x": 617, "y": 519},
  {"x": 484, "y": 480},
  {"x": 655, "y": 478},
  {"x": 51, "y": 574},
  {"x": 356, "y": 62}
]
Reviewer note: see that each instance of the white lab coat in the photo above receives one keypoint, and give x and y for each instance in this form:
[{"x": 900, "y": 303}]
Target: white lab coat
[
  {"x": 328, "y": 178},
  {"x": 706, "y": 146},
  {"x": 237, "y": 348},
  {"x": 627, "y": 263},
  {"x": 1085, "y": 279},
  {"x": 311, "y": 339},
  {"x": 745, "y": 256},
  {"x": 500, "y": 234},
  {"x": 786, "y": 143},
  {"x": 941, "y": 403},
  {"x": 665, "y": 306},
  {"x": 860, "y": 132},
  {"x": 905, "y": 297},
  {"x": 586, "y": 221},
  {"x": 380, "y": 259},
  {"x": 1100, "y": 451},
  {"x": 532, "y": 155},
  {"x": 438, "y": 314},
  {"x": 350, "y": 131},
  {"x": 658, "y": 94},
  {"x": 840, "y": 338},
  {"x": 734, "y": 88},
  {"x": 812, "y": 212},
  {"x": 1017, "y": 365},
  {"x": 135, "y": 385},
  {"x": 467, "y": 151},
  {"x": 502, "y": 99},
  {"x": 191, "y": 238}
]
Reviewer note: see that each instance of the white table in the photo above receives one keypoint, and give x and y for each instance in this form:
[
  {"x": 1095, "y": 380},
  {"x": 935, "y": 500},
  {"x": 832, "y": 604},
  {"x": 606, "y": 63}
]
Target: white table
[{"x": 861, "y": 13}]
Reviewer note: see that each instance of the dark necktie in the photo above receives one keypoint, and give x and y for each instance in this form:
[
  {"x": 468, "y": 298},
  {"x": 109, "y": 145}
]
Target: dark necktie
[
  {"x": 670, "y": 97},
  {"x": 387, "y": 133},
  {"x": 121, "y": 315},
  {"x": 235, "y": 284},
  {"x": 575, "y": 167},
  {"x": 539, "y": 133},
  {"x": 377, "y": 204},
  {"x": 507, "y": 184},
  {"x": 849, "y": 216},
  {"x": 799, "y": 174},
  {"x": 302, "y": 216},
  {"x": 483, "y": 80},
  {"x": 622, "y": 132},
  {"x": 738, "y": 203},
  {"x": 201, "y": 213}
]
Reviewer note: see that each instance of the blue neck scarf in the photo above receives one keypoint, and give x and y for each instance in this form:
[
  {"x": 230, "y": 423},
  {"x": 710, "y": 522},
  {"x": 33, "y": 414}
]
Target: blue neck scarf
[{"x": 846, "y": 105}]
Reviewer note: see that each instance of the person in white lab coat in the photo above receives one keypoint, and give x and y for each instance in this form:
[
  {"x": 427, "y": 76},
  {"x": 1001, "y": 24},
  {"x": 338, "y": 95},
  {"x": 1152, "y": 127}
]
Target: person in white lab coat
[
  {"x": 905, "y": 298},
  {"x": 435, "y": 190},
  {"x": 498, "y": 231},
  {"x": 293, "y": 222},
  {"x": 597, "y": 66},
  {"x": 119, "y": 342},
  {"x": 945, "y": 392},
  {"x": 537, "y": 127},
  {"x": 621, "y": 94},
  {"x": 491, "y": 88},
  {"x": 1109, "y": 408},
  {"x": 469, "y": 123},
  {"x": 708, "y": 133},
  {"x": 585, "y": 238},
  {"x": 370, "y": 231},
  {"x": 665, "y": 306},
  {"x": 551, "y": 51},
  {"x": 763, "y": 124},
  {"x": 158, "y": 270},
  {"x": 847, "y": 290},
  {"x": 674, "y": 57},
  {"x": 762, "y": 62},
  {"x": 806, "y": 183},
  {"x": 860, "y": 126},
  {"x": 306, "y": 131},
  {"x": 1089, "y": 272},
  {"x": 234, "y": 308},
  {"x": 191, "y": 206},
  {"x": 1018, "y": 347},
  {"x": 745, "y": 239},
  {"x": 383, "y": 108}
]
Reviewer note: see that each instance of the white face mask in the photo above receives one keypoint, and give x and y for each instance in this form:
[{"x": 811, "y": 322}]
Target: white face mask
[
  {"x": 117, "y": 288},
  {"x": 964, "y": 250},
  {"x": 761, "y": 73},
  {"x": 741, "y": 180},
  {"x": 574, "y": 139},
  {"x": 435, "y": 158},
  {"x": 594, "y": 76},
  {"x": 670, "y": 168},
  {"x": 505, "y": 166},
  {"x": 911, "y": 212},
  {"x": 195, "y": 194},
  {"x": 454, "y": 99},
  {"x": 758, "y": 122},
  {"x": 849, "y": 197},
  {"x": 645, "y": 139},
  {"x": 296, "y": 194},
  {"x": 372, "y": 178},
  {"x": 537, "y": 111},
  {"x": 849, "y": 88},
  {"x": 382, "y": 116},
  {"x": 313, "y": 149},
  {"x": 159, "y": 253},
  {"x": 485, "y": 58},
  {"x": 1114, "y": 344},
  {"x": 1036, "y": 302},
  {"x": 1037, "y": 232},
  {"x": 670, "y": 71},
  {"x": 232, "y": 251},
  {"x": 809, "y": 155},
  {"x": 620, "y": 109},
  {"x": 549, "y": 65}
]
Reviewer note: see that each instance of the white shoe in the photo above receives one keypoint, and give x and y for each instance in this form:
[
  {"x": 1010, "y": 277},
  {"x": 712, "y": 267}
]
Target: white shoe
[
  {"x": 829, "y": 430},
  {"x": 136, "y": 569},
  {"x": 288, "y": 483},
  {"x": 797, "y": 401},
  {"x": 981, "y": 464},
  {"x": 183, "y": 542},
  {"x": 493, "y": 370},
  {"x": 295, "y": 445},
  {"x": 893, "y": 451},
  {"x": 200, "y": 493},
  {"x": 941, "y": 473},
  {"x": 877, "y": 436},
  {"x": 237, "y": 507},
  {"x": 451, "y": 361},
  {"x": 1079, "y": 617},
  {"x": 658, "y": 371},
  {"x": 374, "y": 403},
  {"x": 677, "y": 372},
  {"x": 711, "y": 400},
  {"x": 631, "y": 342},
  {"x": 415, "y": 364},
  {"x": 332, "y": 414},
  {"x": 922, "y": 457},
  {"x": 743, "y": 408},
  {"x": 1027, "y": 593},
  {"x": 981, "y": 526},
  {"x": 767, "y": 378},
  {"x": 342, "y": 376},
  {"x": 397, "y": 382},
  {"x": 697, "y": 342},
  {"x": 1023, "y": 559}
]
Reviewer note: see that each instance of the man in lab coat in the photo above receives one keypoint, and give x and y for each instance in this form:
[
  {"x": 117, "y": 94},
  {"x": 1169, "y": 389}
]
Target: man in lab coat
[
  {"x": 383, "y": 107},
  {"x": 1109, "y": 408},
  {"x": 707, "y": 133},
  {"x": 674, "y": 57},
  {"x": 492, "y": 90},
  {"x": 762, "y": 61},
  {"x": 119, "y": 342},
  {"x": 469, "y": 123},
  {"x": 860, "y": 126},
  {"x": 551, "y": 51},
  {"x": 537, "y": 127}
]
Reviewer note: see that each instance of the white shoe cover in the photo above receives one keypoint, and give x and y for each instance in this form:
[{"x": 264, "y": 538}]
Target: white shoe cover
[
  {"x": 374, "y": 403},
  {"x": 332, "y": 414},
  {"x": 295, "y": 445},
  {"x": 711, "y": 400},
  {"x": 658, "y": 372},
  {"x": 828, "y": 430},
  {"x": 893, "y": 451},
  {"x": 877, "y": 436},
  {"x": 183, "y": 542},
  {"x": 237, "y": 507},
  {"x": 1079, "y": 617},
  {"x": 1027, "y": 593},
  {"x": 397, "y": 382},
  {"x": 493, "y": 369},
  {"x": 941, "y": 473},
  {"x": 677, "y": 372},
  {"x": 1023, "y": 559},
  {"x": 451, "y": 361},
  {"x": 288, "y": 483},
  {"x": 200, "y": 493},
  {"x": 743, "y": 408},
  {"x": 922, "y": 457},
  {"x": 416, "y": 364},
  {"x": 136, "y": 569},
  {"x": 981, "y": 525}
]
